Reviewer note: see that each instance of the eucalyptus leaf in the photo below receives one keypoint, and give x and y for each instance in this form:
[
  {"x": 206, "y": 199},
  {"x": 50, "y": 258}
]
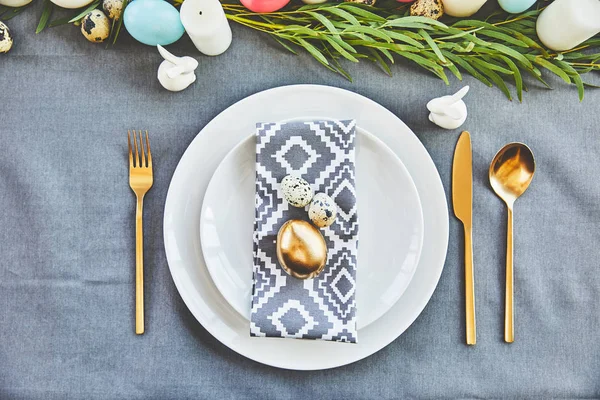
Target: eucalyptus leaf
[
  {"x": 83, "y": 13},
  {"x": 497, "y": 51},
  {"x": 314, "y": 51},
  {"x": 46, "y": 12}
]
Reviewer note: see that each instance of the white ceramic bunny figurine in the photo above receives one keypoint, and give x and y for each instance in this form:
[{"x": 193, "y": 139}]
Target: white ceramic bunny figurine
[
  {"x": 176, "y": 73},
  {"x": 449, "y": 112}
]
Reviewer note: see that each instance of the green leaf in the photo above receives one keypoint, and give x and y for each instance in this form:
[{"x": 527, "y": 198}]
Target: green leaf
[
  {"x": 552, "y": 68},
  {"x": 337, "y": 67},
  {"x": 494, "y": 77},
  {"x": 517, "y": 75},
  {"x": 580, "y": 86},
  {"x": 343, "y": 14},
  {"x": 344, "y": 44},
  {"x": 467, "y": 67},
  {"x": 417, "y": 20},
  {"x": 115, "y": 32},
  {"x": 59, "y": 21},
  {"x": 400, "y": 23},
  {"x": 504, "y": 37},
  {"x": 46, "y": 12},
  {"x": 390, "y": 46},
  {"x": 433, "y": 46},
  {"x": 369, "y": 31},
  {"x": 454, "y": 70},
  {"x": 490, "y": 63},
  {"x": 404, "y": 38},
  {"x": 510, "y": 52},
  {"x": 381, "y": 62},
  {"x": 298, "y": 29},
  {"x": 283, "y": 44},
  {"x": 323, "y": 20},
  {"x": 340, "y": 49},
  {"x": 361, "y": 12},
  {"x": 427, "y": 64},
  {"x": 313, "y": 50},
  {"x": 386, "y": 53},
  {"x": 82, "y": 14}
]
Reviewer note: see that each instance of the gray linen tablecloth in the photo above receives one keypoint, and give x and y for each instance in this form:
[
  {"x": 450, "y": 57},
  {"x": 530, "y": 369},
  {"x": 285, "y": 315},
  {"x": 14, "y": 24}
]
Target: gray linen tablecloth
[{"x": 67, "y": 233}]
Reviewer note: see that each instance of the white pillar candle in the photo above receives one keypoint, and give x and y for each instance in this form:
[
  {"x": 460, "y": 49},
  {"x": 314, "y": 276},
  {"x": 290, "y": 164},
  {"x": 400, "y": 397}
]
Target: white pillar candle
[
  {"x": 565, "y": 24},
  {"x": 206, "y": 24},
  {"x": 462, "y": 8}
]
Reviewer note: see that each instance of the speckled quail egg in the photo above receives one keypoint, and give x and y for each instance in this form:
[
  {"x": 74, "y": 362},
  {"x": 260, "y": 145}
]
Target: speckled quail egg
[
  {"x": 296, "y": 191},
  {"x": 322, "y": 210},
  {"x": 365, "y": 2},
  {"x": 113, "y": 8},
  {"x": 95, "y": 26},
  {"x": 6, "y": 40},
  {"x": 433, "y": 9}
]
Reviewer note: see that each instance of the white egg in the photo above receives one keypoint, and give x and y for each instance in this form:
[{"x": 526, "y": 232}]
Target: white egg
[
  {"x": 296, "y": 191},
  {"x": 322, "y": 210},
  {"x": 71, "y": 3},
  {"x": 14, "y": 3}
]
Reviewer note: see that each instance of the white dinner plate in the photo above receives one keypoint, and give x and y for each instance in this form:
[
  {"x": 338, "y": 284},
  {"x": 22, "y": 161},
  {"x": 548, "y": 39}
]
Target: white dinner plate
[
  {"x": 390, "y": 235},
  {"x": 182, "y": 218}
]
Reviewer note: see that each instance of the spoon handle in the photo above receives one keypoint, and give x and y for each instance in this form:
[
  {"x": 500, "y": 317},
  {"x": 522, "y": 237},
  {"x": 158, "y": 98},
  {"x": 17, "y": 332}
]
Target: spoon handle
[{"x": 509, "y": 329}]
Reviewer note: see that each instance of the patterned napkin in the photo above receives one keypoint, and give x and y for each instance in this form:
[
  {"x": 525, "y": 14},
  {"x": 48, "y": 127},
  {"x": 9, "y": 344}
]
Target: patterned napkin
[{"x": 322, "y": 152}]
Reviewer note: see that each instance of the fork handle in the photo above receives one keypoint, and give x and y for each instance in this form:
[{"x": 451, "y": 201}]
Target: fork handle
[{"x": 139, "y": 267}]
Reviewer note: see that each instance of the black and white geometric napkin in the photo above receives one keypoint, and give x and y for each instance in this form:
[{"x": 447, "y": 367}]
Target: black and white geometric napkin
[{"x": 322, "y": 152}]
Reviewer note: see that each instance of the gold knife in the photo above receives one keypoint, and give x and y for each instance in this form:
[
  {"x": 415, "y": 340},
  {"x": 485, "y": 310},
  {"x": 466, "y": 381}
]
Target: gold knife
[{"x": 462, "y": 198}]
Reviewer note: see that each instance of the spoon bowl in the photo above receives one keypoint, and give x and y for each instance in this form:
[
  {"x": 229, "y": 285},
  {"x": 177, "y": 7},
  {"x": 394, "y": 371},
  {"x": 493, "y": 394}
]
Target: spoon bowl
[{"x": 511, "y": 172}]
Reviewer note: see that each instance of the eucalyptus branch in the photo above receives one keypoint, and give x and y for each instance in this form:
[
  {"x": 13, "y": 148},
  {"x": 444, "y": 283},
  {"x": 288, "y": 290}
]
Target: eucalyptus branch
[{"x": 497, "y": 51}]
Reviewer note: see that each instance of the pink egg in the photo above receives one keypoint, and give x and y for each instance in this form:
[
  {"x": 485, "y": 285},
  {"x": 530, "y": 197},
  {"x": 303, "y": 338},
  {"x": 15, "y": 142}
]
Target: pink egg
[{"x": 264, "y": 6}]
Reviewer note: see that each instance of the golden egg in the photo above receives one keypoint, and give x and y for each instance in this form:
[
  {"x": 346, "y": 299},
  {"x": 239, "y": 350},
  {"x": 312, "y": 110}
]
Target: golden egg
[{"x": 301, "y": 249}]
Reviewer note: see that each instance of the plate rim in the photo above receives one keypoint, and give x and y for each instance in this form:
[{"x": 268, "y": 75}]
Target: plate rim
[
  {"x": 360, "y": 131},
  {"x": 439, "y": 217}
]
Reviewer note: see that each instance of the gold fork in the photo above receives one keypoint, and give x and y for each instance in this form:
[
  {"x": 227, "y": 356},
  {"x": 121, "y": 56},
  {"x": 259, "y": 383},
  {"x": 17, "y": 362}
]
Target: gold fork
[{"x": 140, "y": 180}]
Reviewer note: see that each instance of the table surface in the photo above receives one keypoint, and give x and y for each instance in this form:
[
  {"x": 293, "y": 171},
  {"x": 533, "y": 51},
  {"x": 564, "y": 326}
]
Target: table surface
[{"x": 67, "y": 237}]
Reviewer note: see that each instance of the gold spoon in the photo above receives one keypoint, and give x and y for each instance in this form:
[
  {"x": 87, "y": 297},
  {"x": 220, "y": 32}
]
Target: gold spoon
[{"x": 511, "y": 172}]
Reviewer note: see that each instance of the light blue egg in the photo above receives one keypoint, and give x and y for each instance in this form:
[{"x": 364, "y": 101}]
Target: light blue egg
[
  {"x": 515, "y": 6},
  {"x": 153, "y": 22}
]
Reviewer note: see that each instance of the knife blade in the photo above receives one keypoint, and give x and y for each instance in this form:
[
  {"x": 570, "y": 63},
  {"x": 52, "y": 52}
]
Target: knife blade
[{"x": 462, "y": 200}]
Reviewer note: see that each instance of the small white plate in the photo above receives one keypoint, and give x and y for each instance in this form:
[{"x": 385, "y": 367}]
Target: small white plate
[
  {"x": 184, "y": 203},
  {"x": 390, "y": 234}
]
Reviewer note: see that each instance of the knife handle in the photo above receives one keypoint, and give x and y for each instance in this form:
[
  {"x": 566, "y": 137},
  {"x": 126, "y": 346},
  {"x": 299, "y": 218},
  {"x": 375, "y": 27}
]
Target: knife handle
[{"x": 469, "y": 288}]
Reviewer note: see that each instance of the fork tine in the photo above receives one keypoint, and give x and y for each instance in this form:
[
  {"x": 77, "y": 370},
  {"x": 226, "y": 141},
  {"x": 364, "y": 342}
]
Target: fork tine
[
  {"x": 149, "y": 153},
  {"x": 137, "y": 155},
  {"x": 142, "y": 150},
  {"x": 129, "y": 146}
]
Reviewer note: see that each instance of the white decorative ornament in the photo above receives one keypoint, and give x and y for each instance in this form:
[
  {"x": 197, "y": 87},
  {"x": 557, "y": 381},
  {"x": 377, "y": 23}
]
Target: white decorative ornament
[
  {"x": 565, "y": 24},
  {"x": 449, "y": 112},
  {"x": 14, "y": 3},
  {"x": 176, "y": 73},
  {"x": 462, "y": 8},
  {"x": 71, "y": 3},
  {"x": 206, "y": 24}
]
